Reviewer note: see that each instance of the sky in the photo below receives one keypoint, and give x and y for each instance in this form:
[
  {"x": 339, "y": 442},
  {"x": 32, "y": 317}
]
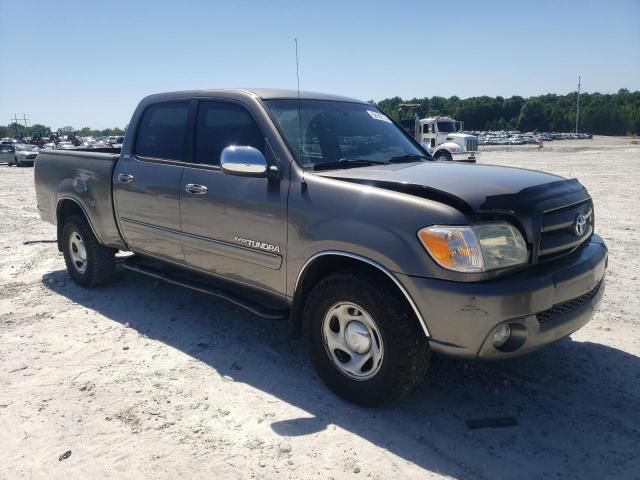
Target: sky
[{"x": 88, "y": 63}]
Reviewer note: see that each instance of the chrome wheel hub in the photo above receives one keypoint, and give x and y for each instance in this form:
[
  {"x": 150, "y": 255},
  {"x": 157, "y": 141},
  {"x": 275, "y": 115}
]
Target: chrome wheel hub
[
  {"x": 352, "y": 341},
  {"x": 78, "y": 252}
]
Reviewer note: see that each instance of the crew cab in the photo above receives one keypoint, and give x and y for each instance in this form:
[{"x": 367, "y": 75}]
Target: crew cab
[{"x": 321, "y": 210}]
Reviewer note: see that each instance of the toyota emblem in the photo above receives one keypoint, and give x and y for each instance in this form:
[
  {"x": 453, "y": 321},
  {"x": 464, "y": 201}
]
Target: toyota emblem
[{"x": 580, "y": 225}]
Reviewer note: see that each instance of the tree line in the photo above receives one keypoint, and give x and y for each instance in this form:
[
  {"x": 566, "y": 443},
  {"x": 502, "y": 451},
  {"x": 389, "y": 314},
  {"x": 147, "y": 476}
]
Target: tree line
[
  {"x": 20, "y": 131},
  {"x": 603, "y": 114}
]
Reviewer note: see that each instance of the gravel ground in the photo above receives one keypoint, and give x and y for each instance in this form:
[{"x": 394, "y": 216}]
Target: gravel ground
[{"x": 144, "y": 380}]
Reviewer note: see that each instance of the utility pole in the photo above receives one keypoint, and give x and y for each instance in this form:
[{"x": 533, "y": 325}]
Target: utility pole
[
  {"x": 578, "y": 106},
  {"x": 26, "y": 126},
  {"x": 14, "y": 122}
]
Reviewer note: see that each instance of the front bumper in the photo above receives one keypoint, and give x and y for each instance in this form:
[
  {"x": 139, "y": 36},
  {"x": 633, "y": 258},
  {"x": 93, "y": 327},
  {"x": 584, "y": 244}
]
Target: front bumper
[
  {"x": 541, "y": 304},
  {"x": 469, "y": 157}
]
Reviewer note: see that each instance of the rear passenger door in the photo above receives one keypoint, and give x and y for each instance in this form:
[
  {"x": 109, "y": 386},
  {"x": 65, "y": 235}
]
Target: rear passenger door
[
  {"x": 147, "y": 181},
  {"x": 233, "y": 227}
]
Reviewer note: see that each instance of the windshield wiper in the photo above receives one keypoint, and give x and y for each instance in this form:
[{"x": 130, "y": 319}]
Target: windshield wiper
[
  {"x": 347, "y": 163},
  {"x": 409, "y": 157}
]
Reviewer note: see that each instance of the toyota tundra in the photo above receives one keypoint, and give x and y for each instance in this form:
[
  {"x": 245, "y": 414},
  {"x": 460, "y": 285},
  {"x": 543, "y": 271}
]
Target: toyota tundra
[{"x": 321, "y": 210}]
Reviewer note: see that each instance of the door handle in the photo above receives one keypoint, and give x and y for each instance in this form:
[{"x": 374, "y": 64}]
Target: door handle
[
  {"x": 196, "y": 189},
  {"x": 125, "y": 178}
]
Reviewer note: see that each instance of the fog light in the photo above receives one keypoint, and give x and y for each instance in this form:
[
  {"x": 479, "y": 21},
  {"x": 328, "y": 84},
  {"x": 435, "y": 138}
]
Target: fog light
[{"x": 501, "y": 335}]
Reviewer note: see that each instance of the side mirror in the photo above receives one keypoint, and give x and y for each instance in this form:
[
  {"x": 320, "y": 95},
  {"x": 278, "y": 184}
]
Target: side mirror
[{"x": 243, "y": 161}]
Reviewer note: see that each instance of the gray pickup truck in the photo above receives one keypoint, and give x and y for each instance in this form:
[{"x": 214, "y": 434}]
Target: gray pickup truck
[{"x": 321, "y": 210}]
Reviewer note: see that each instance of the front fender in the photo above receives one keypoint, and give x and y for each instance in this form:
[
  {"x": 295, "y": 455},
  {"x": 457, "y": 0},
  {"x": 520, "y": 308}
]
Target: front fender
[
  {"x": 450, "y": 147},
  {"x": 381, "y": 225}
]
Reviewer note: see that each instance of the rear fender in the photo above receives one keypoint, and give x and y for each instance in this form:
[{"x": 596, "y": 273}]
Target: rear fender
[{"x": 66, "y": 207}]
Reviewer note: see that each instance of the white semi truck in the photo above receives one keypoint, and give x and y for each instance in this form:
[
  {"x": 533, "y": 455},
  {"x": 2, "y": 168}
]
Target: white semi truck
[
  {"x": 442, "y": 136},
  {"x": 444, "y": 139}
]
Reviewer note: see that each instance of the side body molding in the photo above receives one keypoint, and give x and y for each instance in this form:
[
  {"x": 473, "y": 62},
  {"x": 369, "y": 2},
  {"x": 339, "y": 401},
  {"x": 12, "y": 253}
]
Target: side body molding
[{"x": 387, "y": 272}]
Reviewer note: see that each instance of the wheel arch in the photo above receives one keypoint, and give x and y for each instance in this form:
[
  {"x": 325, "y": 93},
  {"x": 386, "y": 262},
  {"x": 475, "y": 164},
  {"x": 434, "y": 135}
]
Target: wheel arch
[
  {"x": 442, "y": 148},
  {"x": 66, "y": 208},
  {"x": 323, "y": 264}
]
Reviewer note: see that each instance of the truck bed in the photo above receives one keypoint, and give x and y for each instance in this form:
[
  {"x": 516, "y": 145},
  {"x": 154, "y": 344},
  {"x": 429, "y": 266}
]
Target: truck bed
[{"x": 83, "y": 177}]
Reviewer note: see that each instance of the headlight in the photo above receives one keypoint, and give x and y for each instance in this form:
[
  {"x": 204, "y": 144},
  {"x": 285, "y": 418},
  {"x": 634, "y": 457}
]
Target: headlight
[{"x": 478, "y": 248}]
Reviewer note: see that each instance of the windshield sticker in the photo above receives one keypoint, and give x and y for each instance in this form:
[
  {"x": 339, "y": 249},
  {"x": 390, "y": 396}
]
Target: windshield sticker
[{"x": 378, "y": 116}]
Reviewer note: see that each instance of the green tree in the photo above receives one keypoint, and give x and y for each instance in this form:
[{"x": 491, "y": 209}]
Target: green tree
[{"x": 533, "y": 116}]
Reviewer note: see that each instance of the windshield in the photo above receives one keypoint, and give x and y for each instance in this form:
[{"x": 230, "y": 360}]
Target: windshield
[
  {"x": 26, "y": 147},
  {"x": 446, "y": 127},
  {"x": 330, "y": 131}
]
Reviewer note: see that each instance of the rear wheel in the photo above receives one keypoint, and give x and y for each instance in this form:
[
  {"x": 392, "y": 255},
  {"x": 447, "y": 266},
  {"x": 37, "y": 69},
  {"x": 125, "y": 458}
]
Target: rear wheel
[
  {"x": 365, "y": 341},
  {"x": 89, "y": 264}
]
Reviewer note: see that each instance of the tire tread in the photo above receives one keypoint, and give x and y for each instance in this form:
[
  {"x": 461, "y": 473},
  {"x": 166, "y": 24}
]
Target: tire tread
[
  {"x": 405, "y": 335},
  {"x": 101, "y": 260}
]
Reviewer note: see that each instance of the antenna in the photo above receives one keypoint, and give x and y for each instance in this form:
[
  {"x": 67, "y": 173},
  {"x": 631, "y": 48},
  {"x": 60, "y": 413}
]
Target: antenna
[
  {"x": 578, "y": 105},
  {"x": 299, "y": 109},
  {"x": 297, "y": 67}
]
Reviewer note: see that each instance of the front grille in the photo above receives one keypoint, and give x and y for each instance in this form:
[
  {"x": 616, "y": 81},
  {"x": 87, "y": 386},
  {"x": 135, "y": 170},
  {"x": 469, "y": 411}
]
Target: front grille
[
  {"x": 569, "y": 305},
  {"x": 559, "y": 234},
  {"x": 472, "y": 144}
]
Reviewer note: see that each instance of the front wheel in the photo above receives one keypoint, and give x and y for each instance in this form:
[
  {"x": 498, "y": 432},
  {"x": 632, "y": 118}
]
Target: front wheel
[
  {"x": 89, "y": 264},
  {"x": 364, "y": 339},
  {"x": 443, "y": 155}
]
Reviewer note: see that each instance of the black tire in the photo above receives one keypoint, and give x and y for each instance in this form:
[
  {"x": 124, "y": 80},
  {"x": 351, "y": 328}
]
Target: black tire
[
  {"x": 406, "y": 350},
  {"x": 100, "y": 264},
  {"x": 443, "y": 155}
]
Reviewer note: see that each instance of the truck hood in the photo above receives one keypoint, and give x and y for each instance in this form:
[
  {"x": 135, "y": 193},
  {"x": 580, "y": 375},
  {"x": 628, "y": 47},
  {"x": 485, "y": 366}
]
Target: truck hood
[
  {"x": 459, "y": 135},
  {"x": 469, "y": 188}
]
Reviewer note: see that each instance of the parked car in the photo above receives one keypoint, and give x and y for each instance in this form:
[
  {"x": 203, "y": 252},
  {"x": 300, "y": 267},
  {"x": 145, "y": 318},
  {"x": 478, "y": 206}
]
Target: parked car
[
  {"x": 65, "y": 146},
  {"x": 320, "y": 210},
  {"x": 7, "y": 153},
  {"x": 24, "y": 155}
]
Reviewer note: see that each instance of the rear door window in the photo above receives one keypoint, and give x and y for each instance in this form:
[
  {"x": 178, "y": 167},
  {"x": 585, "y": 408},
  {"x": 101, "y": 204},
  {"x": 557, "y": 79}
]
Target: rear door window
[
  {"x": 221, "y": 124},
  {"x": 161, "y": 133}
]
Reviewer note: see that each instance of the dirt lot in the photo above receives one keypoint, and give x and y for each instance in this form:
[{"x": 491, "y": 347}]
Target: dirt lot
[{"x": 145, "y": 380}]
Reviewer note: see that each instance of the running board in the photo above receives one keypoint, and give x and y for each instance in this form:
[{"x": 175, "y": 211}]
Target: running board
[{"x": 173, "y": 276}]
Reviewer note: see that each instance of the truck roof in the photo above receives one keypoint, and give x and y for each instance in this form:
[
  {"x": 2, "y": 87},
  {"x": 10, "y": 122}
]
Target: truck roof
[
  {"x": 436, "y": 119},
  {"x": 262, "y": 93}
]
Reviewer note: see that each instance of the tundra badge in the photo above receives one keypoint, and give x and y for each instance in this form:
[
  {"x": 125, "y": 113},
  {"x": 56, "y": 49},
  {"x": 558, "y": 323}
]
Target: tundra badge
[{"x": 257, "y": 244}]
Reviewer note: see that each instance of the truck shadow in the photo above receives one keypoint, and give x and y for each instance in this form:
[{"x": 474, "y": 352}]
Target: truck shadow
[{"x": 576, "y": 404}]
